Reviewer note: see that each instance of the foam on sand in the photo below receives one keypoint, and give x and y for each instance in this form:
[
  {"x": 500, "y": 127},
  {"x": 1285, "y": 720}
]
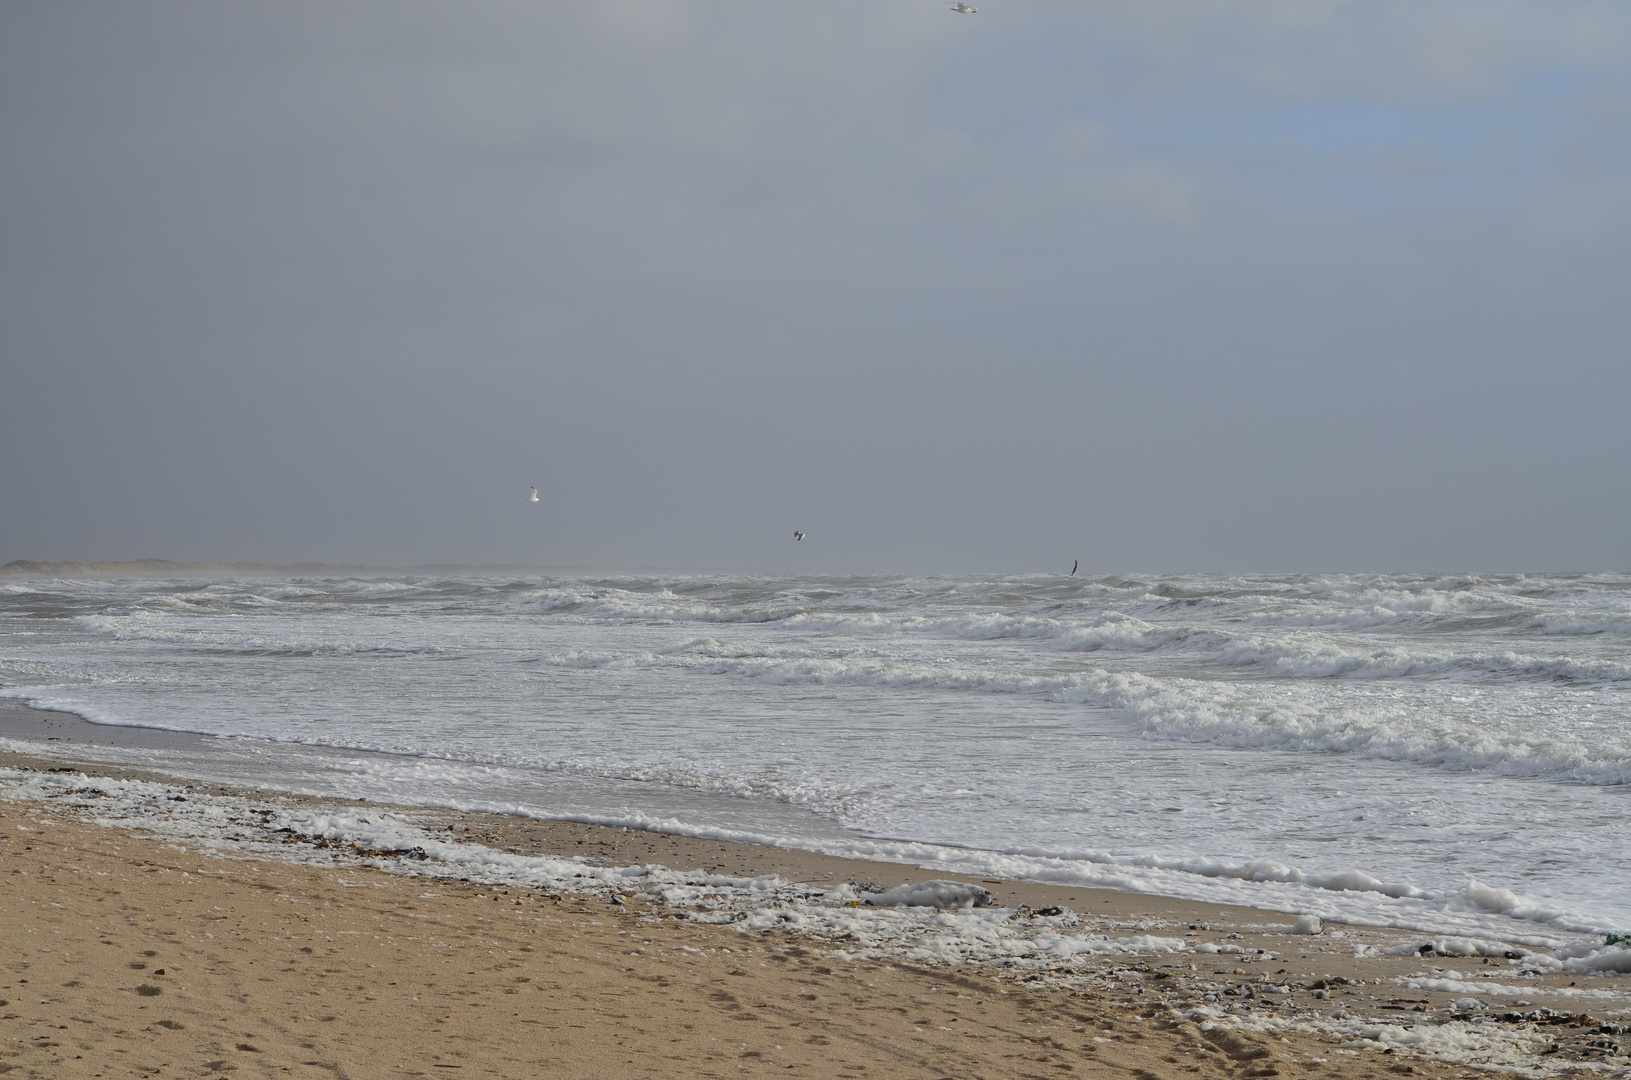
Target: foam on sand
[
  {"x": 952, "y": 931},
  {"x": 957, "y": 916},
  {"x": 935, "y": 894}
]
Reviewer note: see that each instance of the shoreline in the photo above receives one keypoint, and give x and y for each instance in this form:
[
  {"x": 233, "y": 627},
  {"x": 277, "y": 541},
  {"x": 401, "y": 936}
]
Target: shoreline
[
  {"x": 189, "y": 753},
  {"x": 1209, "y": 966},
  {"x": 540, "y": 835}
]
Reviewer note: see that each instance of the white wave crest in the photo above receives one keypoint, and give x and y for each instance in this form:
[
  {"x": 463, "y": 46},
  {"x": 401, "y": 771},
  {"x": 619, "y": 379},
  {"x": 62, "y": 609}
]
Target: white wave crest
[
  {"x": 1315, "y": 656},
  {"x": 1239, "y": 716}
]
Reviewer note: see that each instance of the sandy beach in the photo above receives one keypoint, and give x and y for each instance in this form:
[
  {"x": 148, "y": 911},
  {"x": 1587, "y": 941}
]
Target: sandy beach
[
  {"x": 130, "y": 957},
  {"x": 130, "y": 953},
  {"x": 945, "y": 540}
]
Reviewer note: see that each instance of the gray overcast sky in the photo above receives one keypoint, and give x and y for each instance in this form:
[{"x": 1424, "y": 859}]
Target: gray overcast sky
[{"x": 1177, "y": 284}]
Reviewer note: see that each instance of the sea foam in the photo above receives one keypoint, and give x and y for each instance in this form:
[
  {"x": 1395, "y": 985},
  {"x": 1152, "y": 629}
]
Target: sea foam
[{"x": 1282, "y": 740}]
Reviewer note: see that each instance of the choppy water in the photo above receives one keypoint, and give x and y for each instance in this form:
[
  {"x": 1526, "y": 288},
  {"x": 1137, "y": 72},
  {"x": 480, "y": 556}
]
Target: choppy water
[{"x": 1443, "y": 752}]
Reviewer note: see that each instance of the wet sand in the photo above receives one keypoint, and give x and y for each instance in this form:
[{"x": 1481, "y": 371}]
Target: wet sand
[{"x": 352, "y": 971}]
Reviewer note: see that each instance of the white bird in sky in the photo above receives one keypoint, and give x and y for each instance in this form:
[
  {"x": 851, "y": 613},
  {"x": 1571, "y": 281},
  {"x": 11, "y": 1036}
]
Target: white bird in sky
[
  {"x": 797, "y": 536},
  {"x": 534, "y": 496},
  {"x": 963, "y": 9}
]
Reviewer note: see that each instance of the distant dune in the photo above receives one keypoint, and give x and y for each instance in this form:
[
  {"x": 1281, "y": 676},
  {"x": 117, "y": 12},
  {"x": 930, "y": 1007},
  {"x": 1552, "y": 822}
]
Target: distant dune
[
  {"x": 146, "y": 567},
  {"x": 169, "y": 568}
]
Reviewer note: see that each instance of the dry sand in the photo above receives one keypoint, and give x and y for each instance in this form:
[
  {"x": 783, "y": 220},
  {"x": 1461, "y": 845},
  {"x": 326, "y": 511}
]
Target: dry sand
[{"x": 130, "y": 955}]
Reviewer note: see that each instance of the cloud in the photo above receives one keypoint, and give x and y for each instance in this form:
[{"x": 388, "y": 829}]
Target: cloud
[
  {"x": 1393, "y": 51},
  {"x": 1095, "y": 268}
]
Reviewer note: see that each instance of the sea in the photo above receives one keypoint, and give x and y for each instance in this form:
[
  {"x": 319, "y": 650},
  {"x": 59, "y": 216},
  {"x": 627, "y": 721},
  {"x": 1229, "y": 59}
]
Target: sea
[{"x": 1444, "y": 753}]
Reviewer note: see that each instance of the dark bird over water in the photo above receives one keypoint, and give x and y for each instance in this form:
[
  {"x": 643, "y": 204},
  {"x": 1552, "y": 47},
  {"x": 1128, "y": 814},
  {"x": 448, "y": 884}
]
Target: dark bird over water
[
  {"x": 797, "y": 536},
  {"x": 1074, "y": 563}
]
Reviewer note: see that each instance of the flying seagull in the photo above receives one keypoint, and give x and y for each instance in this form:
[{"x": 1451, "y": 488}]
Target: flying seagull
[
  {"x": 963, "y": 9},
  {"x": 797, "y": 536},
  {"x": 534, "y": 496},
  {"x": 1074, "y": 563}
]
